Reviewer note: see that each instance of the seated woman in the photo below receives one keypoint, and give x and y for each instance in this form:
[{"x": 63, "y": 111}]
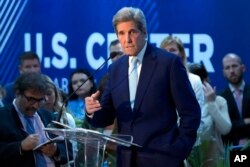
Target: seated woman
[
  {"x": 81, "y": 85},
  {"x": 54, "y": 104}
]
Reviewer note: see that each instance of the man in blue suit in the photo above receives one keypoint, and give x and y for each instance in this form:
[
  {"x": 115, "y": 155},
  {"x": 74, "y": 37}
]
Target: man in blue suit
[{"x": 163, "y": 94}]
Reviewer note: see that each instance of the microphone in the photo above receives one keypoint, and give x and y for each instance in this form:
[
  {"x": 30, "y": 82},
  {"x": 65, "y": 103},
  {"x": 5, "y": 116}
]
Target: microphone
[{"x": 69, "y": 96}]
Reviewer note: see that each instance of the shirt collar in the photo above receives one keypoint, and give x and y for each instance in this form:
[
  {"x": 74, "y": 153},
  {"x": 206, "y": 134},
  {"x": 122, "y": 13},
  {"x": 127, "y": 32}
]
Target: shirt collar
[
  {"x": 20, "y": 114},
  {"x": 241, "y": 87},
  {"x": 140, "y": 54}
]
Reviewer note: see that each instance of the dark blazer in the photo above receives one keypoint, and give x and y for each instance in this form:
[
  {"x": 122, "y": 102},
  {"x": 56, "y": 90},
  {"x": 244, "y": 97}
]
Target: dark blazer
[
  {"x": 239, "y": 129},
  {"x": 163, "y": 87},
  {"x": 12, "y": 133},
  {"x": 10, "y": 95}
]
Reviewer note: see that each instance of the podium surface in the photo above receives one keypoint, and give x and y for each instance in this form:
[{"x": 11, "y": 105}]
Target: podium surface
[{"x": 91, "y": 144}]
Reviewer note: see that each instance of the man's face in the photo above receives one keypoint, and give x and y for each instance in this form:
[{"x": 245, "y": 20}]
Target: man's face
[
  {"x": 30, "y": 65},
  {"x": 233, "y": 70},
  {"x": 30, "y": 101},
  {"x": 131, "y": 38}
]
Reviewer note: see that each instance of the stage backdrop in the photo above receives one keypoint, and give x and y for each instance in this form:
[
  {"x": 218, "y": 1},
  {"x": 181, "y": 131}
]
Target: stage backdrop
[{"x": 69, "y": 34}]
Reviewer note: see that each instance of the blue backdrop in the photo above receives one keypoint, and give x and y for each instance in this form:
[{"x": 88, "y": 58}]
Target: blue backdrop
[{"x": 69, "y": 34}]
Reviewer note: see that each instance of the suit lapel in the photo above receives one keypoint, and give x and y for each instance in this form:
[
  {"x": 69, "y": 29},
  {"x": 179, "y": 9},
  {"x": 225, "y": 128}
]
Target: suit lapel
[
  {"x": 119, "y": 82},
  {"x": 16, "y": 117},
  {"x": 147, "y": 70},
  {"x": 232, "y": 103},
  {"x": 17, "y": 122},
  {"x": 123, "y": 78}
]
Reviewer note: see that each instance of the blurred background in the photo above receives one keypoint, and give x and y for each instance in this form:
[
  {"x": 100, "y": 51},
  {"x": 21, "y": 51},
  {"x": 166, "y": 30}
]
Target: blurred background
[{"x": 69, "y": 34}]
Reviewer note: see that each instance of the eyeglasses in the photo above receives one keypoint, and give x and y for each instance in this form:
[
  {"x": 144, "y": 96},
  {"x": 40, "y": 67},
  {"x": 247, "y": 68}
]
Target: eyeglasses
[
  {"x": 33, "y": 100},
  {"x": 114, "y": 54}
]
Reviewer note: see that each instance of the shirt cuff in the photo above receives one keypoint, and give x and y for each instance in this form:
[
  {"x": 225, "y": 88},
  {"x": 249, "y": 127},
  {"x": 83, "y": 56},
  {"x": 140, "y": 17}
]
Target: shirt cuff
[{"x": 89, "y": 115}]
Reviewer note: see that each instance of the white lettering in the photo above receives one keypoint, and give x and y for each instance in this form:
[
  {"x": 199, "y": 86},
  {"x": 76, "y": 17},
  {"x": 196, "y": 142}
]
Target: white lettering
[
  {"x": 237, "y": 158},
  {"x": 27, "y": 41},
  {"x": 95, "y": 38},
  {"x": 110, "y": 38},
  {"x": 157, "y": 38},
  {"x": 240, "y": 158},
  {"x": 201, "y": 44},
  {"x": 64, "y": 85},
  {"x": 243, "y": 157},
  {"x": 61, "y": 61},
  {"x": 200, "y": 41},
  {"x": 200, "y": 55},
  {"x": 39, "y": 44}
]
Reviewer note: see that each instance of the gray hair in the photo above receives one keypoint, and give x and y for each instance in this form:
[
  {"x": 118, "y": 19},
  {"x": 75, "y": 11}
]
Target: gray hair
[{"x": 130, "y": 14}]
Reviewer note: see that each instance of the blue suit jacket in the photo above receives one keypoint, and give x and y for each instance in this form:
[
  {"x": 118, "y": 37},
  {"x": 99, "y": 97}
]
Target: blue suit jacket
[
  {"x": 163, "y": 87},
  {"x": 12, "y": 133}
]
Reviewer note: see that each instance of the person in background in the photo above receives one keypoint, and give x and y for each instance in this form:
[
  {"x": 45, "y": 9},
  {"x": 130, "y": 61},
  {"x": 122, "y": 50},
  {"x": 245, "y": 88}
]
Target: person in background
[
  {"x": 2, "y": 95},
  {"x": 54, "y": 103},
  {"x": 216, "y": 118},
  {"x": 28, "y": 62},
  {"x": 115, "y": 50},
  {"x": 21, "y": 127},
  {"x": 146, "y": 112},
  {"x": 237, "y": 94},
  {"x": 81, "y": 85},
  {"x": 175, "y": 45},
  {"x": 77, "y": 93}
]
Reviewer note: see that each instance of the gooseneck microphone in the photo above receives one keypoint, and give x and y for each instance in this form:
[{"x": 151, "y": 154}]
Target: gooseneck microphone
[{"x": 69, "y": 96}]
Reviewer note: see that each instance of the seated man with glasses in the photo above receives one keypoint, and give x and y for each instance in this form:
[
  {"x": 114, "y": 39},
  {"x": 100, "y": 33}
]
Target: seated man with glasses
[
  {"x": 33, "y": 100},
  {"x": 21, "y": 127}
]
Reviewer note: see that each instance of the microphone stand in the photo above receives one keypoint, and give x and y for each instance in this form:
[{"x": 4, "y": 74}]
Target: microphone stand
[{"x": 64, "y": 102}]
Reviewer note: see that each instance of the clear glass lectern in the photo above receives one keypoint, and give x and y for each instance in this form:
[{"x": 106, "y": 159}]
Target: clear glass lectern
[{"x": 92, "y": 144}]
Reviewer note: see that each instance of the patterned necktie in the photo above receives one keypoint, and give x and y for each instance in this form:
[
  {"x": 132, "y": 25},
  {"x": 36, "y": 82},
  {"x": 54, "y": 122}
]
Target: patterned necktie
[
  {"x": 40, "y": 160},
  {"x": 238, "y": 100},
  {"x": 133, "y": 80}
]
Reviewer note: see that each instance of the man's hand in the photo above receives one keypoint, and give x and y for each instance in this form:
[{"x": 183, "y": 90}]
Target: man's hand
[
  {"x": 30, "y": 142},
  {"x": 247, "y": 120},
  {"x": 92, "y": 104}
]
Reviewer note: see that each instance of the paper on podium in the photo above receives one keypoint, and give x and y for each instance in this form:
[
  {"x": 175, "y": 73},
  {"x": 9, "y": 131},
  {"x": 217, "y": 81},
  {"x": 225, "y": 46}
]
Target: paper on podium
[
  {"x": 56, "y": 139},
  {"x": 82, "y": 135}
]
